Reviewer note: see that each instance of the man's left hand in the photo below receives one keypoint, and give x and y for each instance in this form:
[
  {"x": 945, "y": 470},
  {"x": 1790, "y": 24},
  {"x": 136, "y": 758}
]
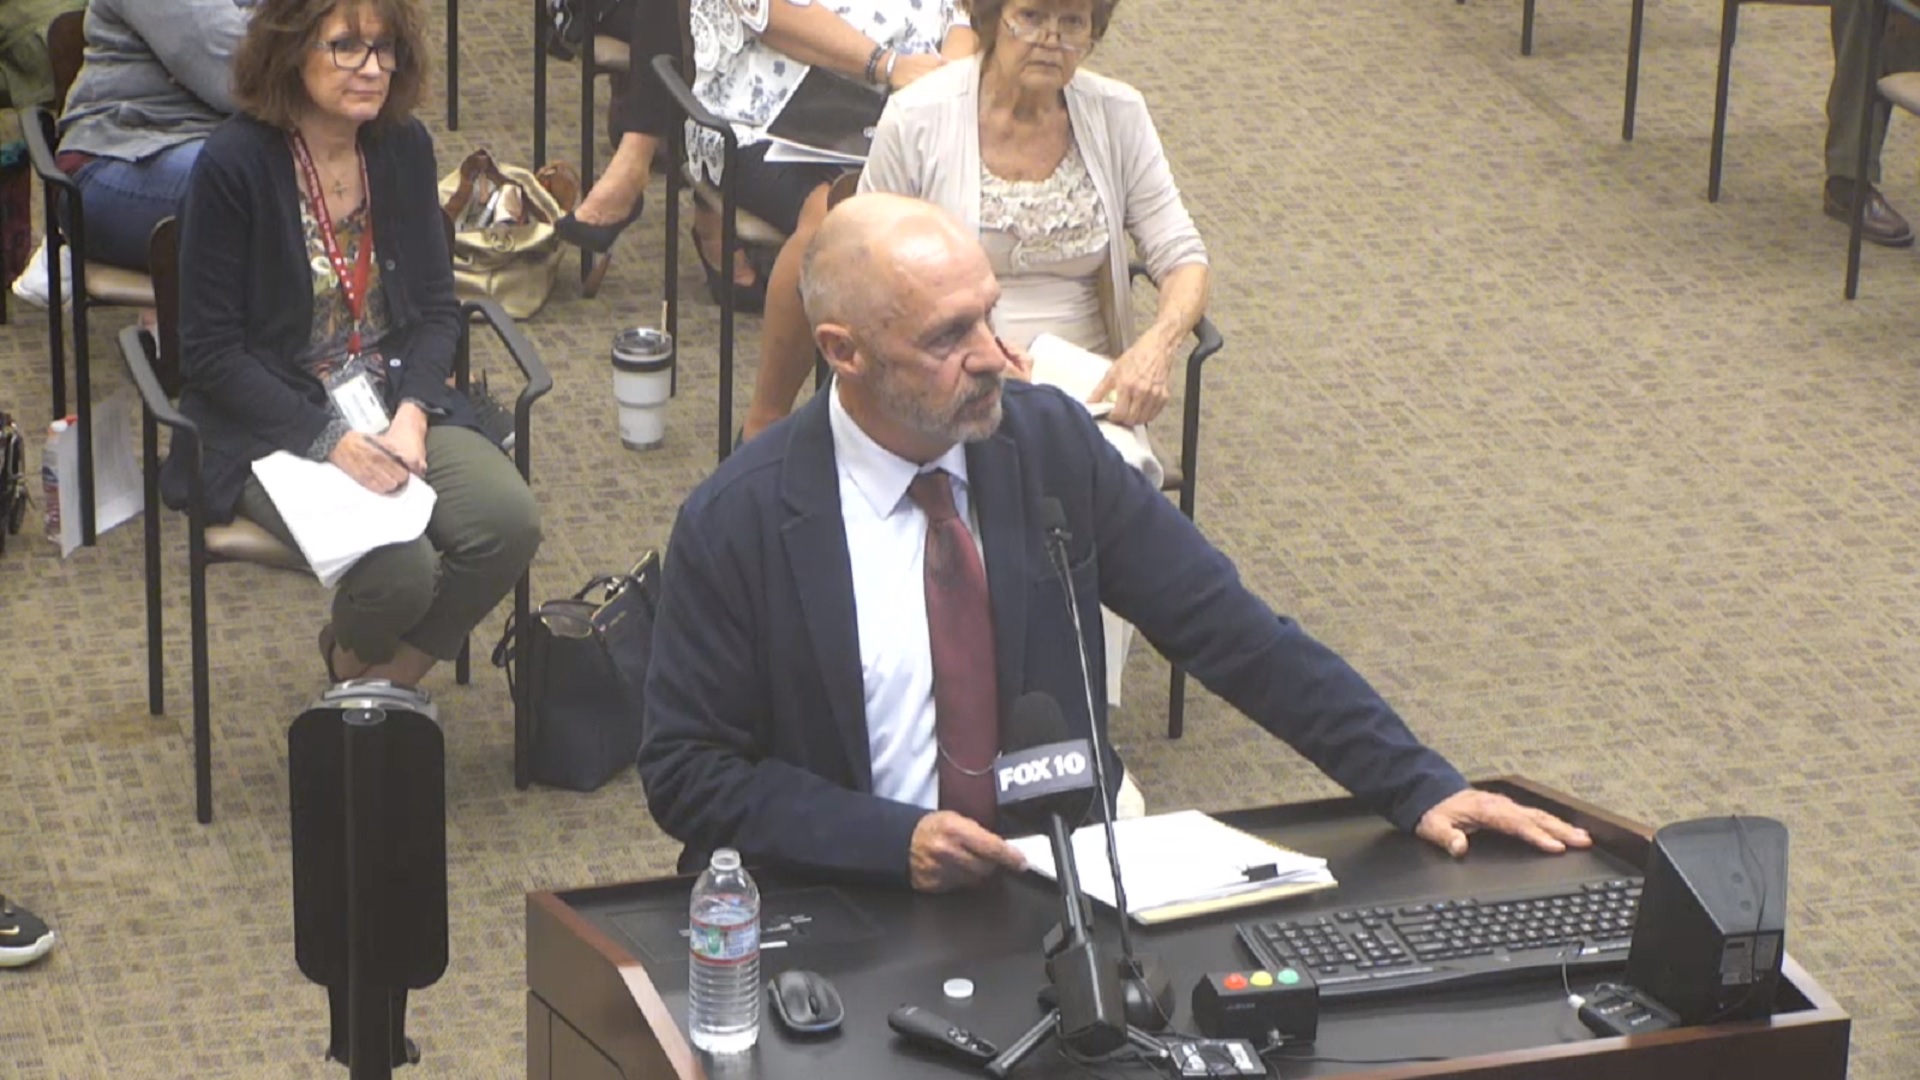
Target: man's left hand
[{"x": 1446, "y": 825}]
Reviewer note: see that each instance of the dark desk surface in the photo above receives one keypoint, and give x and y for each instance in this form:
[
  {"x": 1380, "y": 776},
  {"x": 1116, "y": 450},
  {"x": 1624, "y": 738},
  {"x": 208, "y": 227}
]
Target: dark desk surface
[{"x": 884, "y": 948}]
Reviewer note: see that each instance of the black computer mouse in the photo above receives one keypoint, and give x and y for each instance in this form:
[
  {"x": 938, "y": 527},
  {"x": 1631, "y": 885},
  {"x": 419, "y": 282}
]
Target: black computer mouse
[{"x": 805, "y": 1002}]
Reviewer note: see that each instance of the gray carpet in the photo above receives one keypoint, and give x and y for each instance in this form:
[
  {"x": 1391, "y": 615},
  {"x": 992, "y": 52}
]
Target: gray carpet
[{"x": 1601, "y": 483}]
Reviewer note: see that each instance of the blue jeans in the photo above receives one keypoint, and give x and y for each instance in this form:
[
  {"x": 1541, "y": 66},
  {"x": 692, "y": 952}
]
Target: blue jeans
[{"x": 124, "y": 200}]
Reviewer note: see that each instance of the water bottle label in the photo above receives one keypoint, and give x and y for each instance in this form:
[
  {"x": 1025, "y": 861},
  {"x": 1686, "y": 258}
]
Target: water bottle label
[{"x": 725, "y": 944}]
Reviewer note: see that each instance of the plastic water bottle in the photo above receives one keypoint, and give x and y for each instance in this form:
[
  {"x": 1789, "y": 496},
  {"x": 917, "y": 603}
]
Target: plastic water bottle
[
  {"x": 50, "y": 477},
  {"x": 723, "y": 1010}
]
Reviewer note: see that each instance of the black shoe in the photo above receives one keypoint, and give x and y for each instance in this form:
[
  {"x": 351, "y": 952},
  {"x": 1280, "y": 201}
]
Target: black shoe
[
  {"x": 1883, "y": 224},
  {"x": 596, "y": 238},
  {"x": 495, "y": 419},
  {"x": 23, "y": 937},
  {"x": 747, "y": 299}
]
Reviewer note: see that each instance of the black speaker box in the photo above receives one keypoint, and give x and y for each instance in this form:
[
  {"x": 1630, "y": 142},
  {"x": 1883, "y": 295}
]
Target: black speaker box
[{"x": 1712, "y": 925}]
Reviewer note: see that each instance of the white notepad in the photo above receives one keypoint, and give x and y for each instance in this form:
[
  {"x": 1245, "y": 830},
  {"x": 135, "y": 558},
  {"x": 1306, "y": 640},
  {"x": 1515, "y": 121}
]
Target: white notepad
[
  {"x": 1181, "y": 864},
  {"x": 1077, "y": 373},
  {"x": 333, "y": 518}
]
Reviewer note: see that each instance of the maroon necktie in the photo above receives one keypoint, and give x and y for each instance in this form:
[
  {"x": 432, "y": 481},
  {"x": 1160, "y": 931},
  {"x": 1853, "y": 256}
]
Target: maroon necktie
[{"x": 960, "y": 627}]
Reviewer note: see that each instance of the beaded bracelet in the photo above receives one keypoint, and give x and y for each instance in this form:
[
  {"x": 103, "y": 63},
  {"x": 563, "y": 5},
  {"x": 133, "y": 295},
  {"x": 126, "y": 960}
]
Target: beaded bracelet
[{"x": 873, "y": 63}]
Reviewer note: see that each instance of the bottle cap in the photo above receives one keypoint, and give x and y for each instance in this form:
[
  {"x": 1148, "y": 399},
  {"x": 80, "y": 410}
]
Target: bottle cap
[{"x": 958, "y": 989}]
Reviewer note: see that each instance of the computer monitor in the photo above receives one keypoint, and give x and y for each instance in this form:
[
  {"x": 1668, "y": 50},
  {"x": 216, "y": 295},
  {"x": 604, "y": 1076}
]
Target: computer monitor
[{"x": 1712, "y": 924}]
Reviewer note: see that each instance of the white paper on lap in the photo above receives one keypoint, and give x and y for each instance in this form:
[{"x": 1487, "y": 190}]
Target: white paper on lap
[
  {"x": 333, "y": 518},
  {"x": 1076, "y": 371}
]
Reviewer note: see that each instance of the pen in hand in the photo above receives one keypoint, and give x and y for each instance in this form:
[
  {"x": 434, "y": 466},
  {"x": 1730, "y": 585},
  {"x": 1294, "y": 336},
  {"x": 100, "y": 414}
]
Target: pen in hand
[{"x": 394, "y": 457}]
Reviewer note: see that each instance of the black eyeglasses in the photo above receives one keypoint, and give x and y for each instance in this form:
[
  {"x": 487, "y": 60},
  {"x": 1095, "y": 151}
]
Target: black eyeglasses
[{"x": 350, "y": 54}]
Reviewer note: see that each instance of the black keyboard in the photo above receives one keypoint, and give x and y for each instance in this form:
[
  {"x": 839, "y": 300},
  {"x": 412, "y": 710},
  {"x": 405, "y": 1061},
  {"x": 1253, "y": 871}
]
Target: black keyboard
[{"x": 1366, "y": 952}]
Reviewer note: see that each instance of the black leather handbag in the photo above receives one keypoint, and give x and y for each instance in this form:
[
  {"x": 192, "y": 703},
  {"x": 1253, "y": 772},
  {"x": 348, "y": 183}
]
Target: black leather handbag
[{"x": 586, "y": 670}]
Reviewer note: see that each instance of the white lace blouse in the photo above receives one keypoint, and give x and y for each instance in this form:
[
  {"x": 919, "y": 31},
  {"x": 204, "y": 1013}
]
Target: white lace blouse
[
  {"x": 746, "y": 81},
  {"x": 1047, "y": 241}
]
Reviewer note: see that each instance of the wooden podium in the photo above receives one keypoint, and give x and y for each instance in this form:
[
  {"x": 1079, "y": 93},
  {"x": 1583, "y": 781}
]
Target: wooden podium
[{"x": 607, "y": 972}]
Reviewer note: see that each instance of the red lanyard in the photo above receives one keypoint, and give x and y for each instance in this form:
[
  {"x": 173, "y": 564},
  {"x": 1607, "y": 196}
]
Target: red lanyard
[{"x": 353, "y": 285}]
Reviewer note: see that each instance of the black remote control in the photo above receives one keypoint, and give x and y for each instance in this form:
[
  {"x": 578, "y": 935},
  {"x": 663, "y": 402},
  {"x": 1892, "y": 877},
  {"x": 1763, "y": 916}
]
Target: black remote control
[
  {"x": 916, "y": 1024},
  {"x": 1622, "y": 1010}
]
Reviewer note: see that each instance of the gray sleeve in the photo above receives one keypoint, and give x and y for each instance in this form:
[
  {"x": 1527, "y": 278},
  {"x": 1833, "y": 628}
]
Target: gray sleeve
[
  {"x": 322, "y": 446},
  {"x": 1158, "y": 221},
  {"x": 196, "y": 45}
]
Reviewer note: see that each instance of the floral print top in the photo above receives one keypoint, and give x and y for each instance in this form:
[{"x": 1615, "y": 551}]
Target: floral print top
[
  {"x": 326, "y": 347},
  {"x": 1048, "y": 243},
  {"x": 1051, "y": 221},
  {"x": 746, "y": 81}
]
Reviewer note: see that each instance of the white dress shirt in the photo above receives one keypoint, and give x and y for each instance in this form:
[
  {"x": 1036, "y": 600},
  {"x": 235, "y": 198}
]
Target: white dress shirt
[{"x": 887, "y": 547}]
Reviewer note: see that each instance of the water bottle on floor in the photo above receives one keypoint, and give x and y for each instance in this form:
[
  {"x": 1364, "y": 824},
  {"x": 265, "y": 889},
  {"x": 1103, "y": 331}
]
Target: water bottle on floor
[
  {"x": 50, "y": 476},
  {"x": 723, "y": 983}
]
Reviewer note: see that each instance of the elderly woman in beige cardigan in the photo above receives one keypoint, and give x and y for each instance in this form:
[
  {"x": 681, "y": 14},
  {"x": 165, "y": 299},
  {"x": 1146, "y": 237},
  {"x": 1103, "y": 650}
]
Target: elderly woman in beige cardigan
[{"x": 1056, "y": 167}]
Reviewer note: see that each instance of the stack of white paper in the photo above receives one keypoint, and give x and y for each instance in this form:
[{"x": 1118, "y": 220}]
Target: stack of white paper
[
  {"x": 333, "y": 518},
  {"x": 117, "y": 494},
  {"x": 1182, "y": 863},
  {"x": 1077, "y": 372}
]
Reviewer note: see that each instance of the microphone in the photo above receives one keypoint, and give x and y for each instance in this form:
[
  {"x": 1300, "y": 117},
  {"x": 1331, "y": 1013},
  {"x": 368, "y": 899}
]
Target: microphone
[
  {"x": 1148, "y": 989},
  {"x": 1044, "y": 775}
]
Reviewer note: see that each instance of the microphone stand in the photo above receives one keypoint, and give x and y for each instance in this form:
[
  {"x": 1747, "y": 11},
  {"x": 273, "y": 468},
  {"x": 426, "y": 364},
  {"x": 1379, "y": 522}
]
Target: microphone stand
[
  {"x": 1147, "y": 989},
  {"x": 1077, "y": 967}
]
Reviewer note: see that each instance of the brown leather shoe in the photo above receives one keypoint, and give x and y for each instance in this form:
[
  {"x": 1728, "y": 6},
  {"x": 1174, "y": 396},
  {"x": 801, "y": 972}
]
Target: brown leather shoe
[{"x": 1883, "y": 225}]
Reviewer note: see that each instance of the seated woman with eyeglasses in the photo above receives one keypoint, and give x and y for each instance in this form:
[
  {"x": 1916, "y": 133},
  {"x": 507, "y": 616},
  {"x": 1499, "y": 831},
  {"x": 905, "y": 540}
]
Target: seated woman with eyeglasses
[
  {"x": 154, "y": 83},
  {"x": 1056, "y": 167},
  {"x": 317, "y": 317}
]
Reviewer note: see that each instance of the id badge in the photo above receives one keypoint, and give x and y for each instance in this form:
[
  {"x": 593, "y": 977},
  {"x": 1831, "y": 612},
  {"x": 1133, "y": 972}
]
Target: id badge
[{"x": 357, "y": 402}]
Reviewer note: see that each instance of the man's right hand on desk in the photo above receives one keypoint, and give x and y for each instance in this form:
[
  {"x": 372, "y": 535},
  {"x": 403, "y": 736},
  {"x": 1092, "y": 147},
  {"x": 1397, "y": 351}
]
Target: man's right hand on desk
[{"x": 951, "y": 851}]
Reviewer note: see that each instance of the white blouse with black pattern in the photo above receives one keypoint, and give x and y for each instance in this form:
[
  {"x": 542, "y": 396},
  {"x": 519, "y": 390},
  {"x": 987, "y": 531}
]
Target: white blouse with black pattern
[{"x": 747, "y": 82}]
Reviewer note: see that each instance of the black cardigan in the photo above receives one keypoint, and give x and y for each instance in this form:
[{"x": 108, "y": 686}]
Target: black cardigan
[{"x": 246, "y": 300}]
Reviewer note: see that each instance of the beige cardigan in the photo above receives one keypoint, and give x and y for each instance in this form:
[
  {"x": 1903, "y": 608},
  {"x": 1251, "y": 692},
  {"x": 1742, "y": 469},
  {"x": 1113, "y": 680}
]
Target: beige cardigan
[{"x": 928, "y": 146}]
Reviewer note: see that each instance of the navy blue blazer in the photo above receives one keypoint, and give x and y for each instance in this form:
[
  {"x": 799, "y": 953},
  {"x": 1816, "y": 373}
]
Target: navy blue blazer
[{"x": 756, "y": 719}]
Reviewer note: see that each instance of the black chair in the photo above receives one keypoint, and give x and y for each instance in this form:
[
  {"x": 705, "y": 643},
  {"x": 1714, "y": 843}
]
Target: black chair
[
  {"x": 453, "y": 65},
  {"x": 94, "y": 283},
  {"x": 154, "y": 362},
  {"x": 1729, "y": 30},
  {"x": 1182, "y": 476},
  {"x": 667, "y": 69},
  {"x": 1635, "y": 25},
  {"x": 1901, "y": 88}
]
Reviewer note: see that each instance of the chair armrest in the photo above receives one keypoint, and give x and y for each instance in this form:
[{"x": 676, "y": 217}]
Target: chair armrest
[
  {"x": 524, "y": 355},
  {"x": 666, "y": 70},
  {"x": 1206, "y": 341},
  {"x": 133, "y": 349},
  {"x": 527, "y": 359},
  {"x": 35, "y": 124}
]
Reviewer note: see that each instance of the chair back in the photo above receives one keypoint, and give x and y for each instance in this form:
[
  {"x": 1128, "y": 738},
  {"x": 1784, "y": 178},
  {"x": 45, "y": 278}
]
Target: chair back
[
  {"x": 163, "y": 264},
  {"x": 66, "y": 48},
  {"x": 844, "y": 187}
]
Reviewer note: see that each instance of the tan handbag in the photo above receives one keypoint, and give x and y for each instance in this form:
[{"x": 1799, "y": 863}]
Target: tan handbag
[{"x": 504, "y": 245}]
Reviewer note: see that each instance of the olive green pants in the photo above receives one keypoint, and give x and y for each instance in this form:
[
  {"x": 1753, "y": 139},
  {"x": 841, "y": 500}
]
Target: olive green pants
[{"x": 431, "y": 592}]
